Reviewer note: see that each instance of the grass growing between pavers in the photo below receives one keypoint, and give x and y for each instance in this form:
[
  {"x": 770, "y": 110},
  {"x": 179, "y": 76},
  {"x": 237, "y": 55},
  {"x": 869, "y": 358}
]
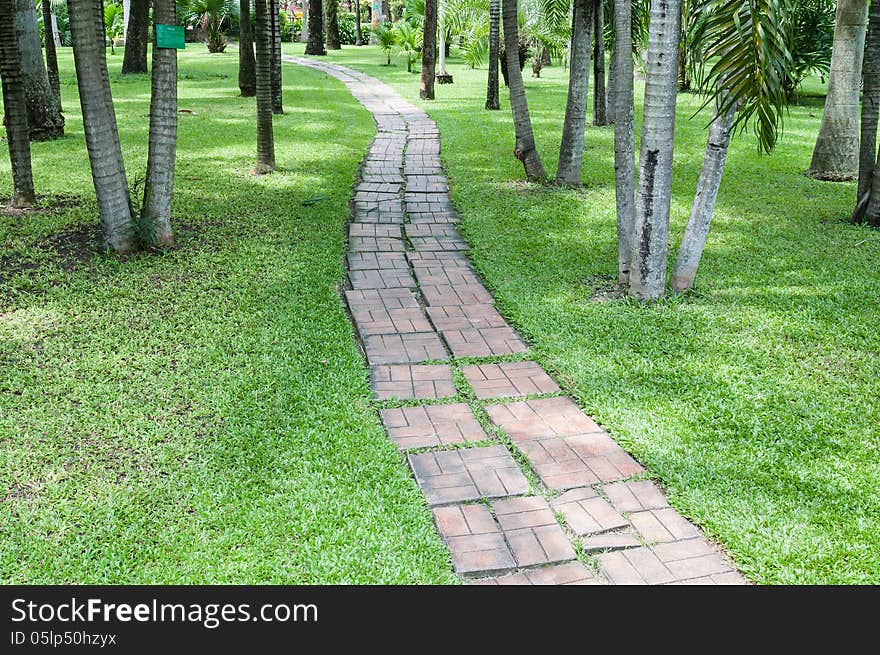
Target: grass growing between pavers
[
  {"x": 756, "y": 398},
  {"x": 200, "y": 416}
]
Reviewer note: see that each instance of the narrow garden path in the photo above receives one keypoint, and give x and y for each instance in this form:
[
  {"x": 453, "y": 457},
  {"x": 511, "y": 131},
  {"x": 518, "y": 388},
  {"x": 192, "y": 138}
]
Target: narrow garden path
[{"x": 525, "y": 488}]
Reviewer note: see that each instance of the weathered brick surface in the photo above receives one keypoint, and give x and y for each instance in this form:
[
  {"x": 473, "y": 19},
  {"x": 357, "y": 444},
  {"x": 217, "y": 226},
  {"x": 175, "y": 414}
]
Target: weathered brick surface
[
  {"x": 649, "y": 566},
  {"x": 432, "y": 425},
  {"x": 577, "y": 461},
  {"x": 570, "y": 573},
  {"x": 509, "y": 380},
  {"x": 662, "y": 525},
  {"x": 446, "y": 294},
  {"x": 426, "y": 381},
  {"x": 390, "y": 278},
  {"x": 474, "y": 539},
  {"x": 365, "y": 261},
  {"x": 412, "y": 347},
  {"x": 531, "y": 529},
  {"x": 586, "y": 512},
  {"x": 469, "y": 474},
  {"x": 465, "y": 317},
  {"x": 484, "y": 342},
  {"x": 610, "y": 541},
  {"x": 635, "y": 496},
  {"x": 541, "y": 418}
]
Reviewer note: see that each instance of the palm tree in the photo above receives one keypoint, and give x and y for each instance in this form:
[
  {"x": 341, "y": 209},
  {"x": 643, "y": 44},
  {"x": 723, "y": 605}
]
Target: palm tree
[
  {"x": 647, "y": 279},
  {"x": 409, "y": 42},
  {"x": 315, "y": 44},
  {"x": 210, "y": 15},
  {"x": 387, "y": 38},
  {"x": 265, "y": 136},
  {"x": 51, "y": 54},
  {"x": 159, "y": 182},
  {"x": 247, "y": 71},
  {"x": 99, "y": 123},
  {"x": 835, "y": 156},
  {"x": 277, "y": 90},
  {"x": 568, "y": 171},
  {"x": 358, "y": 32},
  {"x": 870, "y": 109},
  {"x": 114, "y": 25},
  {"x": 429, "y": 50},
  {"x": 599, "y": 99},
  {"x": 332, "y": 23},
  {"x": 136, "y": 36},
  {"x": 494, "y": 45},
  {"x": 15, "y": 109},
  {"x": 624, "y": 135},
  {"x": 525, "y": 149}
]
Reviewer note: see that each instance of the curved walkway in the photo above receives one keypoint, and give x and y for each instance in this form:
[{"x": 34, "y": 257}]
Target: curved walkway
[{"x": 482, "y": 425}]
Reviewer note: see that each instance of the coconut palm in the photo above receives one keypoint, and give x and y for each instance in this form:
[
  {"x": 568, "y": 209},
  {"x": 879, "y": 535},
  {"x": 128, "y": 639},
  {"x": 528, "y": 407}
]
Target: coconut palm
[
  {"x": 247, "y": 71},
  {"x": 868, "y": 194},
  {"x": 568, "y": 171},
  {"x": 429, "y": 50},
  {"x": 387, "y": 39},
  {"x": 114, "y": 25},
  {"x": 624, "y": 134},
  {"x": 265, "y": 136},
  {"x": 331, "y": 9},
  {"x": 275, "y": 55},
  {"x": 210, "y": 15},
  {"x": 599, "y": 98},
  {"x": 51, "y": 54},
  {"x": 315, "y": 44},
  {"x": 136, "y": 33},
  {"x": 408, "y": 40},
  {"x": 494, "y": 44}
]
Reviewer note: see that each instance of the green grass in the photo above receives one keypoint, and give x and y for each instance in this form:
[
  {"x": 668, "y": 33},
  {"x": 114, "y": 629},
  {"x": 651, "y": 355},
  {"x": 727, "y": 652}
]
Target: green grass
[
  {"x": 756, "y": 398},
  {"x": 200, "y": 416}
]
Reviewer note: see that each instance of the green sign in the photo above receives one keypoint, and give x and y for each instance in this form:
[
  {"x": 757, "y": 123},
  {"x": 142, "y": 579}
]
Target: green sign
[{"x": 170, "y": 36}]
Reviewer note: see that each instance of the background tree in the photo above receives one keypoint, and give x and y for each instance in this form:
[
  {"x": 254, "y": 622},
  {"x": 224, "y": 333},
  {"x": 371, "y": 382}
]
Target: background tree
[
  {"x": 868, "y": 198},
  {"x": 265, "y": 136},
  {"x": 358, "y": 32},
  {"x": 429, "y": 50},
  {"x": 211, "y": 16},
  {"x": 599, "y": 99},
  {"x": 44, "y": 110},
  {"x": 408, "y": 40},
  {"x": 136, "y": 37},
  {"x": 331, "y": 7},
  {"x": 247, "y": 70},
  {"x": 277, "y": 89},
  {"x": 494, "y": 39},
  {"x": 386, "y": 39},
  {"x": 51, "y": 54},
  {"x": 15, "y": 110},
  {"x": 315, "y": 44},
  {"x": 624, "y": 136},
  {"x": 99, "y": 124},
  {"x": 571, "y": 151},
  {"x": 159, "y": 182},
  {"x": 836, "y": 154}
]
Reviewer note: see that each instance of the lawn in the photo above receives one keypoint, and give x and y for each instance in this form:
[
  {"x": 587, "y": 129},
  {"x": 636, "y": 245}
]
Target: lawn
[
  {"x": 755, "y": 399},
  {"x": 200, "y": 416}
]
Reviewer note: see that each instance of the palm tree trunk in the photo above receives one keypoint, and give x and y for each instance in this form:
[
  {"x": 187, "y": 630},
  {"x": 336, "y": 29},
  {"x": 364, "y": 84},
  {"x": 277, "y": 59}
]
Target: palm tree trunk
[
  {"x": 494, "y": 46},
  {"x": 51, "y": 54},
  {"x": 99, "y": 124},
  {"x": 429, "y": 51},
  {"x": 159, "y": 183},
  {"x": 870, "y": 108},
  {"x": 358, "y": 34},
  {"x": 697, "y": 229},
  {"x": 571, "y": 152},
  {"x": 265, "y": 136},
  {"x": 247, "y": 71},
  {"x": 624, "y": 137},
  {"x": 525, "y": 149},
  {"x": 599, "y": 100},
  {"x": 15, "y": 110},
  {"x": 136, "y": 37},
  {"x": 44, "y": 111},
  {"x": 611, "y": 87},
  {"x": 836, "y": 154},
  {"x": 332, "y": 11},
  {"x": 651, "y": 234},
  {"x": 315, "y": 44},
  {"x": 277, "y": 88}
]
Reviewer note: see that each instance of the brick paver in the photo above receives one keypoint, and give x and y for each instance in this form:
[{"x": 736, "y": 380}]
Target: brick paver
[
  {"x": 484, "y": 342},
  {"x": 509, "y": 380},
  {"x": 586, "y": 512},
  {"x": 474, "y": 539},
  {"x": 426, "y": 381},
  {"x": 404, "y": 348},
  {"x": 432, "y": 425},
  {"x": 541, "y": 418},
  {"x": 635, "y": 496},
  {"x": 662, "y": 525},
  {"x": 531, "y": 529},
  {"x": 570, "y": 573}
]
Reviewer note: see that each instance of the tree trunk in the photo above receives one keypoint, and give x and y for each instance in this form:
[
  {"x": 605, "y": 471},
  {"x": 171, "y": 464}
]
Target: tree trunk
[
  {"x": 247, "y": 71},
  {"x": 265, "y": 136},
  {"x": 358, "y": 34},
  {"x": 697, "y": 229},
  {"x": 651, "y": 234},
  {"x": 315, "y": 45},
  {"x": 15, "y": 110},
  {"x": 159, "y": 182},
  {"x": 277, "y": 88},
  {"x": 611, "y": 88},
  {"x": 429, "y": 51},
  {"x": 51, "y": 54},
  {"x": 494, "y": 45},
  {"x": 870, "y": 108},
  {"x": 571, "y": 152},
  {"x": 136, "y": 37},
  {"x": 525, "y": 149},
  {"x": 304, "y": 33},
  {"x": 624, "y": 137},
  {"x": 599, "y": 100},
  {"x": 99, "y": 124},
  {"x": 332, "y": 11},
  {"x": 836, "y": 155},
  {"x": 44, "y": 111}
]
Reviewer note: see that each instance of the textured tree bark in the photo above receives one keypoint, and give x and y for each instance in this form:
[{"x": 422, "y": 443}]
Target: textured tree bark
[
  {"x": 836, "y": 154},
  {"x": 277, "y": 86},
  {"x": 315, "y": 44},
  {"x": 650, "y": 246},
  {"x": 99, "y": 124},
  {"x": 429, "y": 51},
  {"x": 611, "y": 87},
  {"x": 15, "y": 110},
  {"x": 494, "y": 46},
  {"x": 358, "y": 34},
  {"x": 870, "y": 109},
  {"x": 331, "y": 8},
  {"x": 159, "y": 182},
  {"x": 265, "y": 135},
  {"x": 136, "y": 37},
  {"x": 624, "y": 137},
  {"x": 51, "y": 54},
  {"x": 44, "y": 111},
  {"x": 304, "y": 33},
  {"x": 525, "y": 149},
  {"x": 247, "y": 65},
  {"x": 571, "y": 151},
  {"x": 599, "y": 100},
  {"x": 694, "y": 239}
]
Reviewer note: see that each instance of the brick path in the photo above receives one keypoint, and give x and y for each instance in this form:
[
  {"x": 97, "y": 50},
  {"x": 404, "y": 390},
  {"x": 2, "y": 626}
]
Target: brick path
[{"x": 525, "y": 488}]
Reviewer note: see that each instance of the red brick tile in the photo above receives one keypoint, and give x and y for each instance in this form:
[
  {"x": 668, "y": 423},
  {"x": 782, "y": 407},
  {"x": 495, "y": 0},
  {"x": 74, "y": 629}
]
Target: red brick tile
[
  {"x": 484, "y": 342},
  {"x": 438, "y": 295},
  {"x": 475, "y": 541},
  {"x": 465, "y": 317},
  {"x": 662, "y": 525},
  {"x": 432, "y": 425},
  {"x": 509, "y": 380},
  {"x": 635, "y": 496},
  {"x": 570, "y": 573},
  {"x": 532, "y": 531},
  {"x": 426, "y": 381},
  {"x": 541, "y": 418},
  {"x": 587, "y": 513},
  {"x": 610, "y": 542},
  {"x": 408, "y": 347}
]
